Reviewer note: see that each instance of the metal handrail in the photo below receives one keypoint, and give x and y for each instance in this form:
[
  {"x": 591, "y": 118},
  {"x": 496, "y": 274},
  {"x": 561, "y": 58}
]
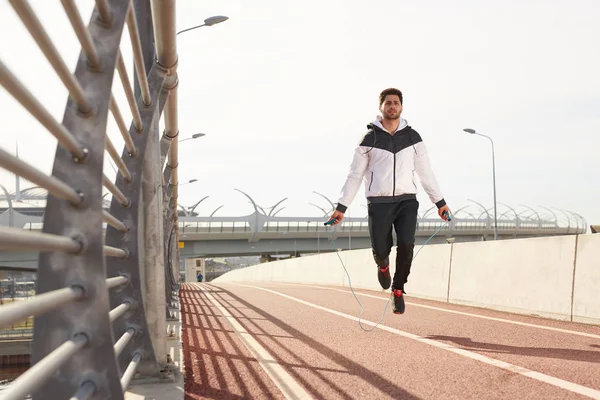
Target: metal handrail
[
  {"x": 28, "y": 101},
  {"x": 53, "y": 185},
  {"x": 39, "y": 373},
  {"x": 90, "y": 256},
  {"x": 39, "y": 304},
  {"x": 19, "y": 239},
  {"x": 130, "y": 371},
  {"x": 36, "y": 29}
]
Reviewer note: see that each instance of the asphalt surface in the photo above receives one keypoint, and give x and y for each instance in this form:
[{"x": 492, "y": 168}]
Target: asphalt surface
[{"x": 279, "y": 340}]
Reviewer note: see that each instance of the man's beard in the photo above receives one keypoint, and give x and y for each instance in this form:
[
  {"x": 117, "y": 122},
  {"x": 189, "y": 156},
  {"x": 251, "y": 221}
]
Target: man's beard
[{"x": 392, "y": 116}]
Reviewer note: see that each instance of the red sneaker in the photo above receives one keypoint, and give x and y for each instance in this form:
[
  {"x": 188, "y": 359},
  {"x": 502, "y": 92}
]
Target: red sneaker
[
  {"x": 399, "y": 305},
  {"x": 385, "y": 279}
]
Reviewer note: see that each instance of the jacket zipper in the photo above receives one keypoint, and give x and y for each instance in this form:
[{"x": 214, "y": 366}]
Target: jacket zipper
[
  {"x": 394, "y": 185},
  {"x": 371, "y": 184}
]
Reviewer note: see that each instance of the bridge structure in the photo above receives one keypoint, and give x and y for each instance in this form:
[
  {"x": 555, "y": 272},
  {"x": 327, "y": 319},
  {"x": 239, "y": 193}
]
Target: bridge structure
[
  {"x": 266, "y": 234},
  {"x": 106, "y": 309},
  {"x": 262, "y": 233}
]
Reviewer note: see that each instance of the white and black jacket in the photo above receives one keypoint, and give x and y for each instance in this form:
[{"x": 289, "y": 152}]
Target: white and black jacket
[{"x": 388, "y": 164}]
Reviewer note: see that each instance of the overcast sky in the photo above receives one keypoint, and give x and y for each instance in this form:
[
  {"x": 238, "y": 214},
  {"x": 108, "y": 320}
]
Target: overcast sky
[{"x": 284, "y": 91}]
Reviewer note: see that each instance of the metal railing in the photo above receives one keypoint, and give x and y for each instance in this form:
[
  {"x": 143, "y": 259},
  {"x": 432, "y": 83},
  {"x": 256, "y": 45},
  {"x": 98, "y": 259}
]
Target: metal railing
[
  {"x": 15, "y": 333},
  {"x": 227, "y": 225},
  {"x": 103, "y": 276},
  {"x": 216, "y": 225}
]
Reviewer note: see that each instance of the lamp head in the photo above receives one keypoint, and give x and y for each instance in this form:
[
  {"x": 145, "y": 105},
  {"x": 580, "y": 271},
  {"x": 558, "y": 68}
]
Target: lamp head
[{"x": 215, "y": 20}]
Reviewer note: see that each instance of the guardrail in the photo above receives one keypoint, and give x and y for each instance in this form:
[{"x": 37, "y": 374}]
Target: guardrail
[
  {"x": 8, "y": 334},
  {"x": 463, "y": 220},
  {"x": 96, "y": 285},
  {"x": 362, "y": 225}
]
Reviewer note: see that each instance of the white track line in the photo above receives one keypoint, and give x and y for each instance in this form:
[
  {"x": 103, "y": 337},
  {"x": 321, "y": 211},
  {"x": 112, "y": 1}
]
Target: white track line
[
  {"x": 508, "y": 321},
  {"x": 288, "y": 386},
  {"x": 560, "y": 383}
]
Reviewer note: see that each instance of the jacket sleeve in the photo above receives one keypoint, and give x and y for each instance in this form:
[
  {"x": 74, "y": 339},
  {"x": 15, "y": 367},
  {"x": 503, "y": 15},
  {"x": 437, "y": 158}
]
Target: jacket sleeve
[
  {"x": 358, "y": 167},
  {"x": 426, "y": 175}
]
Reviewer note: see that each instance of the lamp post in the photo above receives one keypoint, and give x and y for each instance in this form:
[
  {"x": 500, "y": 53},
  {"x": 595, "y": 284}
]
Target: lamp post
[
  {"x": 194, "y": 136},
  {"x": 473, "y": 132},
  {"x": 188, "y": 182},
  {"x": 207, "y": 22}
]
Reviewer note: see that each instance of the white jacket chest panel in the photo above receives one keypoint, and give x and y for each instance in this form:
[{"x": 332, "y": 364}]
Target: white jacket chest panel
[{"x": 389, "y": 174}]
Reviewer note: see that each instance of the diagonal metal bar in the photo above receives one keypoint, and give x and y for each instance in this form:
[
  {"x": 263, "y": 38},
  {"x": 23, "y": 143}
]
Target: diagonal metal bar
[
  {"x": 119, "y": 311},
  {"x": 130, "y": 371},
  {"x": 138, "y": 55},
  {"x": 135, "y": 112},
  {"x": 110, "y": 251},
  {"x": 115, "y": 191},
  {"x": 36, "y": 376},
  {"x": 117, "y": 159},
  {"x": 116, "y": 281},
  {"x": 36, "y": 29},
  {"x": 20, "y": 239},
  {"x": 54, "y": 186},
  {"x": 82, "y": 32},
  {"x": 116, "y": 112},
  {"x": 38, "y": 304},
  {"x": 31, "y": 104},
  {"x": 115, "y": 223},
  {"x": 123, "y": 341}
]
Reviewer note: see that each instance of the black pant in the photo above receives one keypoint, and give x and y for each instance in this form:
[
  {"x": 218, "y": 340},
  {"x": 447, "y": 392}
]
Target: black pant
[{"x": 403, "y": 217}]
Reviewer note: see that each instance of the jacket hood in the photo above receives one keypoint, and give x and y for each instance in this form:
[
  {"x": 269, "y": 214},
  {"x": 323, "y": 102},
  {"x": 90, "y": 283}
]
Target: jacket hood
[{"x": 377, "y": 122}]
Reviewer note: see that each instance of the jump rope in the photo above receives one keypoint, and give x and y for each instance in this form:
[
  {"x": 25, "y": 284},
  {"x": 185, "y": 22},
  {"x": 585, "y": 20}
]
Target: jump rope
[{"x": 362, "y": 310}]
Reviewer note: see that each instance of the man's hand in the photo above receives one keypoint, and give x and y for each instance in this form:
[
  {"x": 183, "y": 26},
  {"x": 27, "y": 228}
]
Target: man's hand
[
  {"x": 337, "y": 215},
  {"x": 441, "y": 212}
]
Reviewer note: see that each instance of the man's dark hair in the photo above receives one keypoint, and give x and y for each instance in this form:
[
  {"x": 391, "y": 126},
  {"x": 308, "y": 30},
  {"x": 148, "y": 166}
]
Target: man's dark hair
[{"x": 387, "y": 92}]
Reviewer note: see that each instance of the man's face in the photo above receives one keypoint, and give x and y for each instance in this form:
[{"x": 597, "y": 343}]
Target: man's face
[{"x": 391, "y": 107}]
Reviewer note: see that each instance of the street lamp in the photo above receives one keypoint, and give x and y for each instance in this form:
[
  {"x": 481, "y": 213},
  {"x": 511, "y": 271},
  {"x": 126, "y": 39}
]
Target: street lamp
[
  {"x": 473, "y": 132},
  {"x": 207, "y": 22},
  {"x": 194, "y": 136},
  {"x": 190, "y": 181}
]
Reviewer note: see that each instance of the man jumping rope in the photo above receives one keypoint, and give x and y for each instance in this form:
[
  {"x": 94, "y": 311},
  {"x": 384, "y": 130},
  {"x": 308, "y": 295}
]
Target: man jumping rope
[{"x": 387, "y": 158}]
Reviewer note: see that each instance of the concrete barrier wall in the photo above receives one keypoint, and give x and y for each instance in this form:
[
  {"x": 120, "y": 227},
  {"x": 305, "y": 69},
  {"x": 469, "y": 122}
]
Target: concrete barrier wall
[
  {"x": 586, "y": 293},
  {"x": 556, "y": 277},
  {"x": 515, "y": 275}
]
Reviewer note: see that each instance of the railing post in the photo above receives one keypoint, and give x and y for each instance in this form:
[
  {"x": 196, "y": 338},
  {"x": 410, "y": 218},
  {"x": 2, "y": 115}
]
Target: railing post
[
  {"x": 155, "y": 300},
  {"x": 154, "y": 283},
  {"x": 141, "y": 237}
]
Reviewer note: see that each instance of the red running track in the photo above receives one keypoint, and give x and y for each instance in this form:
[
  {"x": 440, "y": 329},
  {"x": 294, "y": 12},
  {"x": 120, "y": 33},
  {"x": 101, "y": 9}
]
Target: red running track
[{"x": 280, "y": 340}]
